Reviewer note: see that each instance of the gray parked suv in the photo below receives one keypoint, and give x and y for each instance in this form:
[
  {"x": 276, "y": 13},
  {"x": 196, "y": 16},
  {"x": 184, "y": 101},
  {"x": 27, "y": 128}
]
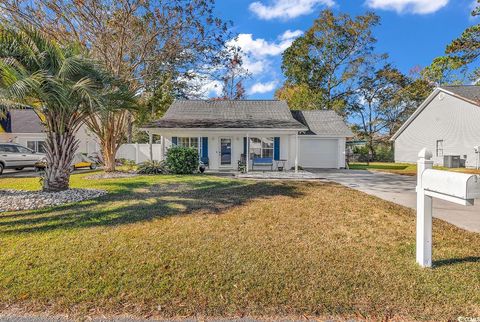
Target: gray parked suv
[{"x": 14, "y": 156}]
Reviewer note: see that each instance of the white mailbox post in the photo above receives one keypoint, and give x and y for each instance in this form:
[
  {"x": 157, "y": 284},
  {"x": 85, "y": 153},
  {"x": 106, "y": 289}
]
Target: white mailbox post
[{"x": 455, "y": 187}]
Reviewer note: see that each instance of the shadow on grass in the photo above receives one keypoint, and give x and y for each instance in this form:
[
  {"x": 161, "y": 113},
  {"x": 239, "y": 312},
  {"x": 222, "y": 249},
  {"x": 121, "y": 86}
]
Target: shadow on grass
[
  {"x": 358, "y": 166},
  {"x": 136, "y": 201},
  {"x": 453, "y": 261}
]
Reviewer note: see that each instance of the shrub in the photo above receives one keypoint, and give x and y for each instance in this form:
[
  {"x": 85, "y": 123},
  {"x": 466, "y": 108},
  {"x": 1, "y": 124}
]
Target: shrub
[
  {"x": 152, "y": 167},
  {"x": 182, "y": 160},
  {"x": 127, "y": 165},
  {"x": 384, "y": 153},
  {"x": 362, "y": 153}
]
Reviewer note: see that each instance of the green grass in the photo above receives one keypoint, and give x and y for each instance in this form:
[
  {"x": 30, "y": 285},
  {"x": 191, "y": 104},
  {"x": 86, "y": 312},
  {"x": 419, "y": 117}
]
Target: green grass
[
  {"x": 163, "y": 246},
  {"x": 401, "y": 168}
]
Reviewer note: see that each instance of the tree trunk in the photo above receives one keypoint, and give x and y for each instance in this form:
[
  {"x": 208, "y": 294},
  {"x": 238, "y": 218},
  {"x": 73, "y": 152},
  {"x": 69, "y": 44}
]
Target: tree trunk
[
  {"x": 109, "y": 150},
  {"x": 60, "y": 150},
  {"x": 109, "y": 160},
  {"x": 371, "y": 149},
  {"x": 129, "y": 128}
]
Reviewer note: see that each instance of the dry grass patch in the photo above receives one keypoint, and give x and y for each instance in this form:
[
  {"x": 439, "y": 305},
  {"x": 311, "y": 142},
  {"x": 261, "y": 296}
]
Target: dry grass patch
[{"x": 182, "y": 246}]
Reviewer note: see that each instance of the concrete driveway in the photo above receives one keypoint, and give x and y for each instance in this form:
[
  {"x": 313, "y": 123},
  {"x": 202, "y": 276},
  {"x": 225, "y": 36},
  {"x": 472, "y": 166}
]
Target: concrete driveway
[{"x": 401, "y": 190}]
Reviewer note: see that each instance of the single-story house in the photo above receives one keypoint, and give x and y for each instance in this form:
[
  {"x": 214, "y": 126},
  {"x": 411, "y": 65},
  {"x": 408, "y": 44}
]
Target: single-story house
[
  {"x": 447, "y": 123},
  {"x": 24, "y": 127},
  {"x": 260, "y": 131}
]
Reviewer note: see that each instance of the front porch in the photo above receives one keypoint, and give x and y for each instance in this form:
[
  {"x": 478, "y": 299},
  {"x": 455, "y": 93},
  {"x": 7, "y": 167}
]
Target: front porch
[{"x": 235, "y": 150}]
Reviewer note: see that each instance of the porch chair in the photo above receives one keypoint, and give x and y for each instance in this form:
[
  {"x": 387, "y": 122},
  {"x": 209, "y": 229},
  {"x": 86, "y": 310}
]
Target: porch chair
[{"x": 242, "y": 164}]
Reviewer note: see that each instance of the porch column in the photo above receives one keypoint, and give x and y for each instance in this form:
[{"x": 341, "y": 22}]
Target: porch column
[
  {"x": 150, "y": 147},
  {"x": 296, "y": 152},
  {"x": 247, "y": 156}
]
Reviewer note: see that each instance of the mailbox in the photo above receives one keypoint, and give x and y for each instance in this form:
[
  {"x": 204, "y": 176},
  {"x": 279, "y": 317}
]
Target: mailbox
[{"x": 456, "y": 187}]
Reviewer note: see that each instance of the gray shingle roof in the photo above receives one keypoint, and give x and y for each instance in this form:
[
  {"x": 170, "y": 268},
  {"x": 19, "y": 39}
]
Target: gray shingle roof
[
  {"x": 24, "y": 121},
  {"x": 469, "y": 92},
  {"x": 323, "y": 122},
  {"x": 227, "y": 114}
]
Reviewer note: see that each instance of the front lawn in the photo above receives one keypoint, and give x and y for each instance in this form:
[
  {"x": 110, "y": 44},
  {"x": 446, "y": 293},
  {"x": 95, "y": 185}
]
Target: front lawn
[
  {"x": 401, "y": 168},
  {"x": 163, "y": 246}
]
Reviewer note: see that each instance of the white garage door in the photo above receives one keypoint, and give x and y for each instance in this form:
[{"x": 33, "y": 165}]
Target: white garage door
[{"x": 318, "y": 153}]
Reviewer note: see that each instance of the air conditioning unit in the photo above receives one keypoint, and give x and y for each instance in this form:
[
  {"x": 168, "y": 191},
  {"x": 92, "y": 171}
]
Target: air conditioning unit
[
  {"x": 451, "y": 161},
  {"x": 477, "y": 149}
]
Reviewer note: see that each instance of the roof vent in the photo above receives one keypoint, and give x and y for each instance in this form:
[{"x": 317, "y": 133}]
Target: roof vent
[{"x": 441, "y": 96}]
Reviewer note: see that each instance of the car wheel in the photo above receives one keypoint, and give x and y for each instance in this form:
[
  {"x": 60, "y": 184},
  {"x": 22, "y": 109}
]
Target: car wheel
[
  {"x": 93, "y": 166},
  {"x": 1, "y": 168},
  {"x": 18, "y": 169}
]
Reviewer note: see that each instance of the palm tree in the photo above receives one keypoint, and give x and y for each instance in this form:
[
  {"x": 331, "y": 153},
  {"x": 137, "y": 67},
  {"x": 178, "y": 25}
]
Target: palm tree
[{"x": 59, "y": 82}]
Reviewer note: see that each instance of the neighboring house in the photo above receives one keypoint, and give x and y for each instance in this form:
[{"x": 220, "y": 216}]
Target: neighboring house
[
  {"x": 225, "y": 132},
  {"x": 23, "y": 126},
  {"x": 447, "y": 123}
]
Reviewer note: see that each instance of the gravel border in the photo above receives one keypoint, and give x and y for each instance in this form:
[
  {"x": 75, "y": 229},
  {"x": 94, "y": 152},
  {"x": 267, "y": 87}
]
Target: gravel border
[{"x": 14, "y": 200}]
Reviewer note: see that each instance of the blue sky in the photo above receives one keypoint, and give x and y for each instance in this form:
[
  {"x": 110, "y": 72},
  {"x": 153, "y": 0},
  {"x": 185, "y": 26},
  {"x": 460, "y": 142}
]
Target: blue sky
[{"x": 412, "y": 32}]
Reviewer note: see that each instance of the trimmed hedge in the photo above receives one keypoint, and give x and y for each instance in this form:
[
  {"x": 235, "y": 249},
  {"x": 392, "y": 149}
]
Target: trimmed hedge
[{"x": 182, "y": 160}]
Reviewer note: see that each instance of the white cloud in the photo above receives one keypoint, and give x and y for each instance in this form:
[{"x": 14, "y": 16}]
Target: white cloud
[
  {"x": 256, "y": 51},
  {"x": 255, "y": 66},
  {"x": 211, "y": 88},
  {"x": 261, "y": 47},
  {"x": 261, "y": 88},
  {"x": 202, "y": 86},
  {"x": 290, "y": 35},
  {"x": 287, "y": 9},
  {"x": 412, "y": 6}
]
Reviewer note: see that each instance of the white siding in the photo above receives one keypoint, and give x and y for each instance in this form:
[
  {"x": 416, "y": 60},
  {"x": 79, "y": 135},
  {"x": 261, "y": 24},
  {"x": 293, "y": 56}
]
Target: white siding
[{"x": 446, "y": 118}]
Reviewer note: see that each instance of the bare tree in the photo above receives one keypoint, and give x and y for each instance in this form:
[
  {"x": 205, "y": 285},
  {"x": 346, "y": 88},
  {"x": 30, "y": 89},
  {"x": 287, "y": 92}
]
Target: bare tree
[{"x": 234, "y": 76}]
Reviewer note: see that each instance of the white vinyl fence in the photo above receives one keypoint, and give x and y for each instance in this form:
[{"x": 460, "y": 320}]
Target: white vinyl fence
[{"x": 139, "y": 152}]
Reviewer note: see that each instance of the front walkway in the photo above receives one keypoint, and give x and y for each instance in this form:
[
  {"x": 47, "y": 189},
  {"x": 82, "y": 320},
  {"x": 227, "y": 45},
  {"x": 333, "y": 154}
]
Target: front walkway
[{"x": 401, "y": 190}]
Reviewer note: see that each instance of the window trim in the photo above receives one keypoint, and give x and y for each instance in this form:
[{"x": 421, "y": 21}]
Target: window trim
[
  {"x": 262, "y": 148},
  {"x": 199, "y": 142}
]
